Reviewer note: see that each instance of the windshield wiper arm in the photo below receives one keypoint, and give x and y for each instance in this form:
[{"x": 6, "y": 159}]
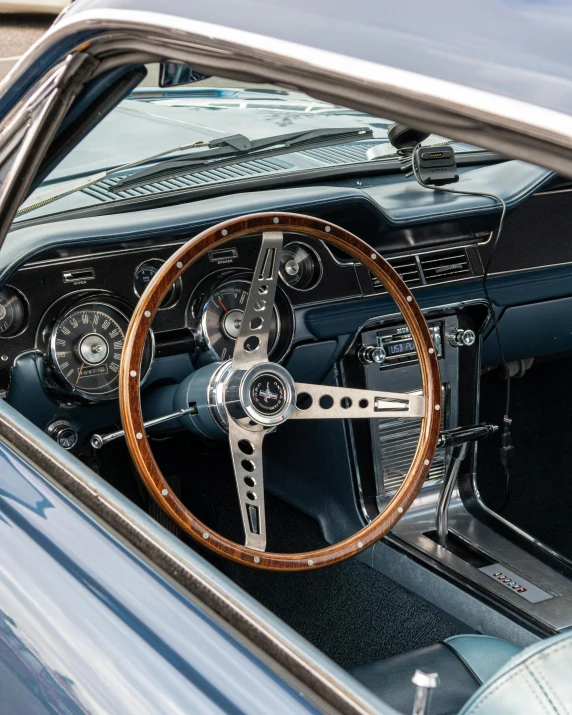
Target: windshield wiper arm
[{"x": 225, "y": 151}]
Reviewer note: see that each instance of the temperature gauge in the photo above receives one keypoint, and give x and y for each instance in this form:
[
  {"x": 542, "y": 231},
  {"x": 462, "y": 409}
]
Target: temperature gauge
[{"x": 145, "y": 273}]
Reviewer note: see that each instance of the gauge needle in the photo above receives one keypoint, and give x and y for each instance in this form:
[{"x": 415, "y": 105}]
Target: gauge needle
[
  {"x": 222, "y": 306},
  {"x": 79, "y": 372}
]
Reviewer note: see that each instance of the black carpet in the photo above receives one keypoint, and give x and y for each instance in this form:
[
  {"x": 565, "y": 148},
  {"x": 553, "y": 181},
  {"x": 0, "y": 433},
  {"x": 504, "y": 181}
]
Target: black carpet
[
  {"x": 351, "y": 612},
  {"x": 540, "y": 492}
]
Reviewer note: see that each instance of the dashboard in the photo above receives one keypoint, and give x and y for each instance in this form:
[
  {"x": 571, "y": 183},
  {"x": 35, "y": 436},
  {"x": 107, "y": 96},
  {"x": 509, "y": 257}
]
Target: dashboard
[
  {"x": 70, "y": 286},
  {"x": 74, "y": 311}
]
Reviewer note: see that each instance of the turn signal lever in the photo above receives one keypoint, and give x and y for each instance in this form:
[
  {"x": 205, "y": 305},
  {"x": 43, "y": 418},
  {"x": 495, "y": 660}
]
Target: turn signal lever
[{"x": 458, "y": 438}]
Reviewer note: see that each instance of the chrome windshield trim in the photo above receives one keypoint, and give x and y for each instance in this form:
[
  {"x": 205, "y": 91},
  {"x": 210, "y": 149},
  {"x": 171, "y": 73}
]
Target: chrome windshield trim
[{"x": 404, "y": 93}]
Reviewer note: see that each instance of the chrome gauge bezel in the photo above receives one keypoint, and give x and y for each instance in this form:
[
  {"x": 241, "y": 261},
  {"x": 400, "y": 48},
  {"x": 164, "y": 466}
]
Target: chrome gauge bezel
[
  {"x": 317, "y": 260},
  {"x": 173, "y": 294},
  {"x": 198, "y": 302},
  {"x": 26, "y": 311},
  {"x": 203, "y": 324},
  {"x": 63, "y": 383}
]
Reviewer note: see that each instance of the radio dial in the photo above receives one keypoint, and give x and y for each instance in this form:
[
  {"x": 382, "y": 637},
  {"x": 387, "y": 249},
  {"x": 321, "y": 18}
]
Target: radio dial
[
  {"x": 462, "y": 338},
  {"x": 372, "y": 353}
]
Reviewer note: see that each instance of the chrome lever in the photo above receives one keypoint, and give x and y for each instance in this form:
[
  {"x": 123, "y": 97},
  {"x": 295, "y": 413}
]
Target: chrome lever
[{"x": 97, "y": 441}]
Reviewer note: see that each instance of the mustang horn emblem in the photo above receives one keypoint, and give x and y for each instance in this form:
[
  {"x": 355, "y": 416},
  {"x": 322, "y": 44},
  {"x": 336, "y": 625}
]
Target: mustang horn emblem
[{"x": 268, "y": 394}]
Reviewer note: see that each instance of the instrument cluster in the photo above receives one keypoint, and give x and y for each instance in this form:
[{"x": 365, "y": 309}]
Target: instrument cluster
[{"x": 74, "y": 309}]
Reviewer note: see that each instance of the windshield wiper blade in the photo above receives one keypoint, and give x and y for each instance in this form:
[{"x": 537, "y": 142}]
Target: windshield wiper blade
[{"x": 226, "y": 151}]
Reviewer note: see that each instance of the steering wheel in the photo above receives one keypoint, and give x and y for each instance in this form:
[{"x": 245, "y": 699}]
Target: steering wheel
[{"x": 250, "y": 395}]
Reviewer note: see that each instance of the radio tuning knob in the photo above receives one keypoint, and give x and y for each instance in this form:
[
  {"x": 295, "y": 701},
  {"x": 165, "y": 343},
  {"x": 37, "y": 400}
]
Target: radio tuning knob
[
  {"x": 371, "y": 353},
  {"x": 462, "y": 338}
]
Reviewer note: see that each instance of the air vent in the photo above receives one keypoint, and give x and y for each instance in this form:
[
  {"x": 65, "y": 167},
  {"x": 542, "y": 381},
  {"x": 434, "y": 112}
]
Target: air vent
[
  {"x": 408, "y": 270},
  {"x": 445, "y": 265},
  {"x": 397, "y": 442}
]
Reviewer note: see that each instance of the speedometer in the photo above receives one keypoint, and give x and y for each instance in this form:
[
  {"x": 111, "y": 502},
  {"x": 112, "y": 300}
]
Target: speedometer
[{"x": 86, "y": 347}]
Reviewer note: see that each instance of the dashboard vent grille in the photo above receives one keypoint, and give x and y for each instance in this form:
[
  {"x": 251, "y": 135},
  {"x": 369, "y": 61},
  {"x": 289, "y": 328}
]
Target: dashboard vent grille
[
  {"x": 398, "y": 440},
  {"x": 445, "y": 265},
  {"x": 105, "y": 190},
  {"x": 408, "y": 270}
]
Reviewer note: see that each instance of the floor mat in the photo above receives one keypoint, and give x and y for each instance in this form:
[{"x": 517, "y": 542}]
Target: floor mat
[{"x": 540, "y": 492}]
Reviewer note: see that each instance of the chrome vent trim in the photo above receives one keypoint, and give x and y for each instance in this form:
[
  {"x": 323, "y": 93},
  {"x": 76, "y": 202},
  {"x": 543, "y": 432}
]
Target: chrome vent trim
[
  {"x": 445, "y": 265},
  {"x": 408, "y": 269},
  {"x": 104, "y": 191},
  {"x": 428, "y": 268},
  {"x": 397, "y": 442}
]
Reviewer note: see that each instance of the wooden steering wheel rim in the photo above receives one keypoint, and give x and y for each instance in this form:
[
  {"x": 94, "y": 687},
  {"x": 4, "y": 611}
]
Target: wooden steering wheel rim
[{"x": 130, "y": 402}]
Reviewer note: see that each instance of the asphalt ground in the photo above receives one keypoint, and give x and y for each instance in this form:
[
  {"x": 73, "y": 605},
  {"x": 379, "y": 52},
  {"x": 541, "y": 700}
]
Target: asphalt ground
[{"x": 17, "y": 33}]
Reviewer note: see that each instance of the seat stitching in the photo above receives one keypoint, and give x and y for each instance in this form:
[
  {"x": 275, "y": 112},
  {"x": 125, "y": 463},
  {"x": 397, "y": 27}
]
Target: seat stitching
[
  {"x": 528, "y": 672},
  {"x": 492, "y": 690},
  {"x": 507, "y": 677},
  {"x": 548, "y": 691}
]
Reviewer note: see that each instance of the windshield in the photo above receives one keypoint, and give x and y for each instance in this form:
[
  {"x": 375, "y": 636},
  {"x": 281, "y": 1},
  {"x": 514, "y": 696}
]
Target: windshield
[{"x": 152, "y": 121}]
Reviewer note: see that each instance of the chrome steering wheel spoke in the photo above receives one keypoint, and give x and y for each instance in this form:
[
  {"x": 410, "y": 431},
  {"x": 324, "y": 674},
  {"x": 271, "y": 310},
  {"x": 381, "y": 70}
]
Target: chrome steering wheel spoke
[
  {"x": 252, "y": 342},
  {"x": 246, "y": 451},
  {"x": 320, "y": 402}
]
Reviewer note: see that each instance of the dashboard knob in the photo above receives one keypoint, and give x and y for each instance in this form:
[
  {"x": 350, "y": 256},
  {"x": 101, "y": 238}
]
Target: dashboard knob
[
  {"x": 63, "y": 433},
  {"x": 371, "y": 353},
  {"x": 462, "y": 338}
]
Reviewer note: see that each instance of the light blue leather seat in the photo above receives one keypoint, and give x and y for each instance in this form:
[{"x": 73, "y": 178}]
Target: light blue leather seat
[
  {"x": 480, "y": 675},
  {"x": 538, "y": 681}
]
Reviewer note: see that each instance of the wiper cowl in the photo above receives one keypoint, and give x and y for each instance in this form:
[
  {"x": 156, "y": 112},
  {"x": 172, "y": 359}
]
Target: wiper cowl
[{"x": 226, "y": 150}]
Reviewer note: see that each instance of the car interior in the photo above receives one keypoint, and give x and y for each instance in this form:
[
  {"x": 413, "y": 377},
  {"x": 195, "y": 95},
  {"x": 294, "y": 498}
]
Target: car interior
[{"x": 477, "y": 564}]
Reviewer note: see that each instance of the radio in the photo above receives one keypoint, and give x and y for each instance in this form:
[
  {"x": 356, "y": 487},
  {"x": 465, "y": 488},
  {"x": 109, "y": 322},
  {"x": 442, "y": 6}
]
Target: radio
[{"x": 395, "y": 346}]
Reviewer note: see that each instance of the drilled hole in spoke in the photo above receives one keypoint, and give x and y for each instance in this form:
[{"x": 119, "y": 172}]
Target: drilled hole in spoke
[
  {"x": 259, "y": 305},
  {"x": 304, "y": 401},
  {"x": 346, "y": 403},
  {"x": 263, "y": 290},
  {"x": 363, "y": 404},
  {"x": 326, "y": 402},
  {"x": 256, "y": 323},
  {"x": 248, "y": 465},
  {"x": 251, "y": 344},
  {"x": 245, "y": 446},
  {"x": 249, "y": 481},
  {"x": 251, "y": 496}
]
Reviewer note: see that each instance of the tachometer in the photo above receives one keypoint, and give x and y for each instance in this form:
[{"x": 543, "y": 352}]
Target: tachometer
[
  {"x": 222, "y": 317},
  {"x": 86, "y": 346}
]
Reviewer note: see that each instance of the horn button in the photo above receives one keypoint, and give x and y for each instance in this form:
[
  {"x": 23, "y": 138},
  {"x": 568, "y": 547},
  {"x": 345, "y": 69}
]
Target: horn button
[{"x": 265, "y": 393}]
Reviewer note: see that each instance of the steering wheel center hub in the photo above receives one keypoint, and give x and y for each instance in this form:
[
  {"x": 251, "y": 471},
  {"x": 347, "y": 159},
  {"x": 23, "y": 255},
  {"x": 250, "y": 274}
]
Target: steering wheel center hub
[
  {"x": 268, "y": 394},
  {"x": 264, "y": 393}
]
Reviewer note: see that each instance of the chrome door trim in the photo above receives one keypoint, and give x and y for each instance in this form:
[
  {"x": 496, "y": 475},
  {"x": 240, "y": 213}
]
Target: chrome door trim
[{"x": 324, "y": 683}]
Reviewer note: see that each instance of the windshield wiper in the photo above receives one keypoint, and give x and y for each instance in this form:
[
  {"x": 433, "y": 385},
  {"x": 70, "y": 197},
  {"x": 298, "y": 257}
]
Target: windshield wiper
[{"x": 225, "y": 151}]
